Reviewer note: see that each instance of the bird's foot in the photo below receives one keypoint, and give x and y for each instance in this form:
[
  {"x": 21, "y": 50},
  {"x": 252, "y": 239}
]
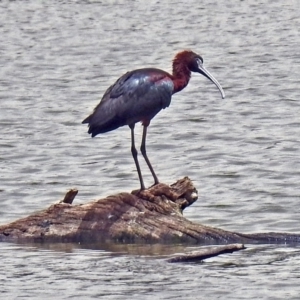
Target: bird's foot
[
  {"x": 154, "y": 184},
  {"x": 144, "y": 194},
  {"x": 158, "y": 189}
]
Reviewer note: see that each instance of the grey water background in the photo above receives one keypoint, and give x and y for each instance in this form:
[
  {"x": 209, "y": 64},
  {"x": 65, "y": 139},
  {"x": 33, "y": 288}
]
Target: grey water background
[{"x": 58, "y": 57}]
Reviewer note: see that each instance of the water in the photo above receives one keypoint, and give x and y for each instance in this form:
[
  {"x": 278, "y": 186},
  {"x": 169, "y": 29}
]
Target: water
[{"x": 57, "y": 59}]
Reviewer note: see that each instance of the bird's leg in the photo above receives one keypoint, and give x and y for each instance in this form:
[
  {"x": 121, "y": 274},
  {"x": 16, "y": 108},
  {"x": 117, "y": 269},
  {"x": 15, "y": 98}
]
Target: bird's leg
[
  {"x": 143, "y": 150},
  {"x": 134, "y": 155}
]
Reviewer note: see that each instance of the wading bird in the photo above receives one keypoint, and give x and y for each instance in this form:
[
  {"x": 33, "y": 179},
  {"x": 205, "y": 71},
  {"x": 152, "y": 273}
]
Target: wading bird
[{"x": 139, "y": 95}]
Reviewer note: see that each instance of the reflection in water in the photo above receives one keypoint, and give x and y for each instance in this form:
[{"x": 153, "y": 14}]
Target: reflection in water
[{"x": 112, "y": 248}]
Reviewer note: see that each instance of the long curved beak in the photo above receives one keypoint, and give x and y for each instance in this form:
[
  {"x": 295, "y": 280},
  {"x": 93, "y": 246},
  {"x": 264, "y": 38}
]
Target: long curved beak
[{"x": 204, "y": 72}]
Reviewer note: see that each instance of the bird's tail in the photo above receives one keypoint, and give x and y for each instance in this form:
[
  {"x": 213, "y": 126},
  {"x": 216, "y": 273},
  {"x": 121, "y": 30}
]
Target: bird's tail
[
  {"x": 87, "y": 120},
  {"x": 97, "y": 128}
]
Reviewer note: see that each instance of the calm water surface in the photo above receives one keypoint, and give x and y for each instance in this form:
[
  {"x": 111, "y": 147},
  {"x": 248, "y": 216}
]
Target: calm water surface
[{"x": 57, "y": 59}]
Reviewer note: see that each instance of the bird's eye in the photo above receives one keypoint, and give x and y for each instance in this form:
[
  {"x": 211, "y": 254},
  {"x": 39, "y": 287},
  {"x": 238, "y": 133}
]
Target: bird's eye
[{"x": 199, "y": 60}]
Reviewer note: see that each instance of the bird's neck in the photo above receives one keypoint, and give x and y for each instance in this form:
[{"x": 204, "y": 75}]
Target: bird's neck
[{"x": 181, "y": 76}]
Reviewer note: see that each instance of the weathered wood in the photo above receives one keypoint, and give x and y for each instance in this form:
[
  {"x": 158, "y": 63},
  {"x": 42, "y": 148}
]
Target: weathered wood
[
  {"x": 206, "y": 253},
  {"x": 70, "y": 196},
  {"x": 150, "y": 216}
]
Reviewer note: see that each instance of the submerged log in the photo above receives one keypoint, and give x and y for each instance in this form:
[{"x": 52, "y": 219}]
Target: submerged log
[
  {"x": 150, "y": 216},
  {"x": 205, "y": 253}
]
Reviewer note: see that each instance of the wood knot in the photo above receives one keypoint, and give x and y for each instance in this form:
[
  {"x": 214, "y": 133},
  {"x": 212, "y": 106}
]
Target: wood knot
[{"x": 183, "y": 193}]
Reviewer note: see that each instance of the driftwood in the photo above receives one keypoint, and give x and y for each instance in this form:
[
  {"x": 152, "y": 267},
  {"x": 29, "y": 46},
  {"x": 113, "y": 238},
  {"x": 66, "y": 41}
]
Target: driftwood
[
  {"x": 150, "y": 216},
  {"x": 205, "y": 253}
]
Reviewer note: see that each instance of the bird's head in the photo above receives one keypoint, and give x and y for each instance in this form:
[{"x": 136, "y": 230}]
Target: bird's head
[{"x": 194, "y": 62}]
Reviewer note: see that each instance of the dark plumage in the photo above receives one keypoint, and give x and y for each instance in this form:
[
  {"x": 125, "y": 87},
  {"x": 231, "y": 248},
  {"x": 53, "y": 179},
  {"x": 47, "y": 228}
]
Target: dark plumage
[{"x": 139, "y": 95}]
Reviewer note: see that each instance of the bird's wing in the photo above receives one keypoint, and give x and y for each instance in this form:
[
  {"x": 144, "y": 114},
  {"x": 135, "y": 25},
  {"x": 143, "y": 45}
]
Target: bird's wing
[
  {"x": 135, "y": 96},
  {"x": 118, "y": 88}
]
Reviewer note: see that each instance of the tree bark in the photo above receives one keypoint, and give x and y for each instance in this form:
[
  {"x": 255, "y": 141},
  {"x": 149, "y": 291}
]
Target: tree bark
[{"x": 150, "y": 216}]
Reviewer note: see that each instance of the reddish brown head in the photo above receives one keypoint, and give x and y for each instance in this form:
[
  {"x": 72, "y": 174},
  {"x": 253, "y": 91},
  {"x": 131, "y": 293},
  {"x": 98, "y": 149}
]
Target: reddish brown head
[{"x": 186, "y": 62}]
